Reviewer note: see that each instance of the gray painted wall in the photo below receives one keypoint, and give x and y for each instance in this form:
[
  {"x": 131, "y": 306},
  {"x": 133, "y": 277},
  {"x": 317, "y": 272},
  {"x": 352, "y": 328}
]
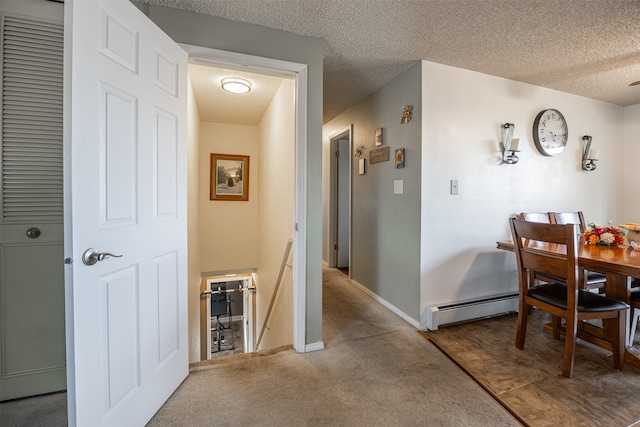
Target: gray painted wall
[
  {"x": 216, "y": 33},
  {"x": 385, "y": 252}
]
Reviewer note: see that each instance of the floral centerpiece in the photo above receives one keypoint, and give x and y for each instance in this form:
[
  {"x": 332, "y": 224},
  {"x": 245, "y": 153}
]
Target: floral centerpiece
[{"x": 606, "y": 236}]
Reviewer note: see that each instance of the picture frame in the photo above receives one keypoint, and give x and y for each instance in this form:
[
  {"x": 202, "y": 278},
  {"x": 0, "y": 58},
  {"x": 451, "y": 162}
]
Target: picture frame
[
  {"x": 229, "y": 177},
  {"x": 399, "y": 158},
  {"x": 378, "y": 137}
]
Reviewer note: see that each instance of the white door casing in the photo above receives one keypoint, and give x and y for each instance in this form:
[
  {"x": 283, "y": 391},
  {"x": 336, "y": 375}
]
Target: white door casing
[
  {"x": 343, "y": 185},
  {"x": 125, "y": 177},
  {"x": 299, "y": 72}
]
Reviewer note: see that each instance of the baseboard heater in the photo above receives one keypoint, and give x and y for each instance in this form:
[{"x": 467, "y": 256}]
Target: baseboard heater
[{"x": 443, "y": 314}]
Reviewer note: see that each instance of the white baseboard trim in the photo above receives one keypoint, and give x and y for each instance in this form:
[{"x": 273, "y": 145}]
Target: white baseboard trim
[
  {"x": 387, "y": 304},
  {"x": 314, "y": 346}
]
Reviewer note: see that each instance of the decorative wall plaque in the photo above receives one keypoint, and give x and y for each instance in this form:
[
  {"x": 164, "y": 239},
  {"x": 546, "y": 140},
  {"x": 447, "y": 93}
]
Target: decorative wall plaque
[{"x": 379, "y": 155}]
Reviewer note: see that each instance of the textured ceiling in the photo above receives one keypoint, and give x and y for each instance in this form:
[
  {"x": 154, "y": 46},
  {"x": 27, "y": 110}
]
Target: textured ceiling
[{"x": 585, "y": 47}]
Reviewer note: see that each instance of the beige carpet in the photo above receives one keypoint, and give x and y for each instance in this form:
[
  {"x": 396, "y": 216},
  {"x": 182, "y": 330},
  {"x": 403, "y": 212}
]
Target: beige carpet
[
  {"x": 49, "y": 410},
  {"x": 376, "y": 370},
  {"x": 529, "y": 382}
]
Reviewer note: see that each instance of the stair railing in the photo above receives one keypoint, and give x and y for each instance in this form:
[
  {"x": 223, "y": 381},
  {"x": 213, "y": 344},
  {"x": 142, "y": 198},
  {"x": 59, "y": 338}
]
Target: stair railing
[{"x": 284, "y": 264}]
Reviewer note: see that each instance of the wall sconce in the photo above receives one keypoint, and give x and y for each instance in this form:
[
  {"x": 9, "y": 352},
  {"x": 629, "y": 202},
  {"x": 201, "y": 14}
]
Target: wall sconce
[
  {"x": 589, "y": 156},
  {"x": 510, "y": 146}
]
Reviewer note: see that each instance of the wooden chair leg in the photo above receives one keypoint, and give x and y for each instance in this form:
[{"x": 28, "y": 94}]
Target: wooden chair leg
[
  {"x": 521, "y": 331},
  {"x": 569, "y": 345}
]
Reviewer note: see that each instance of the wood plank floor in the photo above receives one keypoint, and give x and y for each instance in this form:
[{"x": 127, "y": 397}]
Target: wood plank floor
[{"x": 530, "y": 383}]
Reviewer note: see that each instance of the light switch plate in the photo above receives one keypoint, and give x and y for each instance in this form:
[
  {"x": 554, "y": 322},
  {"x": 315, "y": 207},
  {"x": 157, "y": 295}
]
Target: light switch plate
[
  {"x": 454, "y": 187},
  {"x": 398, "y": 186}
]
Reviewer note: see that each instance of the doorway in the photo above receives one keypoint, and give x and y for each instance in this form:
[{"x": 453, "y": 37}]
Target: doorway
[
  {"x": 243, "y": 237},
  {"x": 340, "y": 146},
  {"x": 230, "y": 304}
]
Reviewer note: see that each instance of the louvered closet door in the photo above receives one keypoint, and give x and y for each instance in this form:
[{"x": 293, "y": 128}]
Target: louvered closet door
[{"x": 32, "y": 341}]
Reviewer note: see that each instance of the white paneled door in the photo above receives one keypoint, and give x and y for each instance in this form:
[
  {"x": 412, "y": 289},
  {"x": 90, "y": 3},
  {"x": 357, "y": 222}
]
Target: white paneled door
[{"x": 125, "y": 172}]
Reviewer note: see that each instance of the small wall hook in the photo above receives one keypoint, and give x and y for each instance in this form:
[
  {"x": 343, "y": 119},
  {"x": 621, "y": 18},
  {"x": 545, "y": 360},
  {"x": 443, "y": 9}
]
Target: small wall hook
[{"x": 406, "y": 114}]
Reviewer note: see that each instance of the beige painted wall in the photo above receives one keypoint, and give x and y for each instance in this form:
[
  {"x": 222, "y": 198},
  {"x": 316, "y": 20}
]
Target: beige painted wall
[
  {"x": 228, "y": 229},
  {"x": 193, "y": 215},
  {"x": 276, "y": 220}
]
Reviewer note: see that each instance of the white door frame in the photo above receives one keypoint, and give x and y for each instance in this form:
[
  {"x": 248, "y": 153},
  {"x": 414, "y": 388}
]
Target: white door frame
[
  {"x": 333, "y": 191},
  {"x": 299, "y": 72}
]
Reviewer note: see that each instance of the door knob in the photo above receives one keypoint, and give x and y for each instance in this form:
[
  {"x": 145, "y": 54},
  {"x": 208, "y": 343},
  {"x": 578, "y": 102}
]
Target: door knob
[
  {"x": 92, "y": 256},
  {"x": 33, "y": 233}
]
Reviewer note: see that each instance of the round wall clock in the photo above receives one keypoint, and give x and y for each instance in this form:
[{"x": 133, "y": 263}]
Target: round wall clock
[{"x": 550, "y": 132}]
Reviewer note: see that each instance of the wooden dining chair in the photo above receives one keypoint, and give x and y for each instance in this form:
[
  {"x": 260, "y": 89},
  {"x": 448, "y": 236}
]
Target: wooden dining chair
[
  {"x": 542, "y": 217},
  {"x": 570, "y": 218},
  {"x": 592, "y": 279},
  {"x": 634, "y": 300},
  {"x": 563, "y": 301}
]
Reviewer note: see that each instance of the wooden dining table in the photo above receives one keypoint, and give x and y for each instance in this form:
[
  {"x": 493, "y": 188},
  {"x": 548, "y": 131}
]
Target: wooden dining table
[{"x": 621, "y": 264}]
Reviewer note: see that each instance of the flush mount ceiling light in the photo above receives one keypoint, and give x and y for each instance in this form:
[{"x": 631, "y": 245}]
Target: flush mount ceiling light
[{"x": 236, "y": 85}]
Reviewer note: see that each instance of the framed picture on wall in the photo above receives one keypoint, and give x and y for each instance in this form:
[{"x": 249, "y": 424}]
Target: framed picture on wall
[
  {"x": 399, "y": 158},
  {"x": 378, "y": 137},
  {"x": 229, "y": 178}
]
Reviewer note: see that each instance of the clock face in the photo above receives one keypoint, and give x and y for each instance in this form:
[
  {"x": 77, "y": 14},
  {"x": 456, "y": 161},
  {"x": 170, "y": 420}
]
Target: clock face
[{"x": 550, "y": 132}]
